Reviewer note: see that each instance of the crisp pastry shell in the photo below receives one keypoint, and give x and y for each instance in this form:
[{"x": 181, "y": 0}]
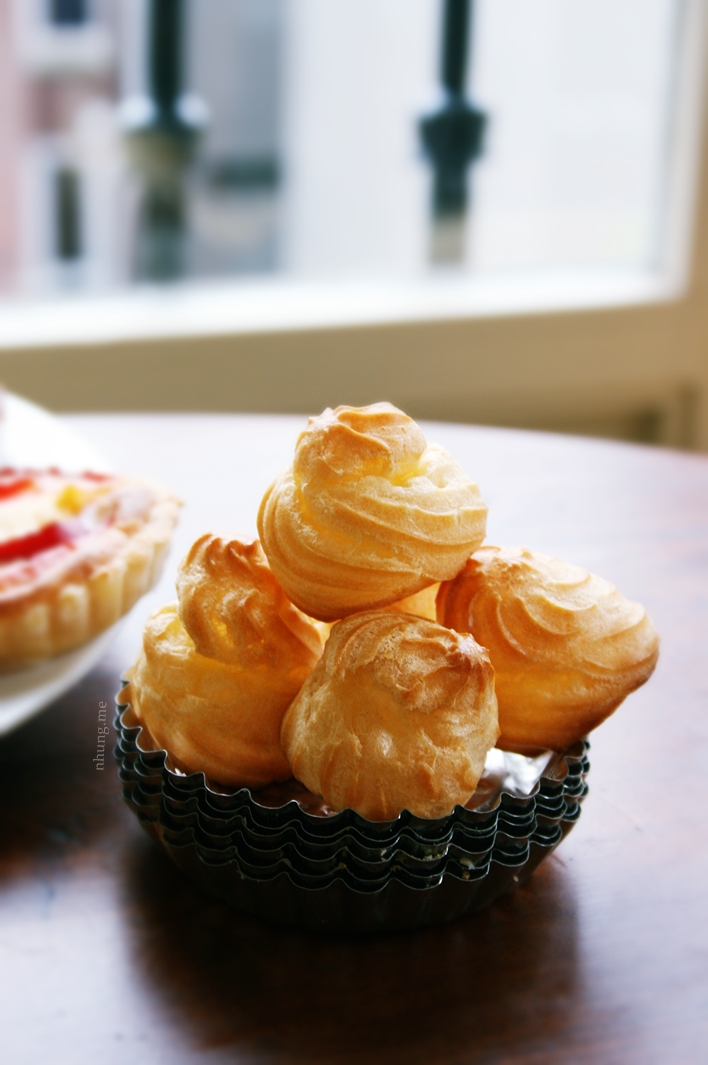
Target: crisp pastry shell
[
  {"x": 218, "y": 669},
  {"x": 566, "y": 646},
  {"x": 211, "y": 716},
  {"x": 368, "y": 513},
  {"x": 398, "y": 714}
]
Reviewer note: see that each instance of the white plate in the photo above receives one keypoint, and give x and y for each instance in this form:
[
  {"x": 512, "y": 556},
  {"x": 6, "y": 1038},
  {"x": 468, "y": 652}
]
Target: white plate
[
  {"x": 24, "y": 694},
  {"x": 29, "y": 436}
]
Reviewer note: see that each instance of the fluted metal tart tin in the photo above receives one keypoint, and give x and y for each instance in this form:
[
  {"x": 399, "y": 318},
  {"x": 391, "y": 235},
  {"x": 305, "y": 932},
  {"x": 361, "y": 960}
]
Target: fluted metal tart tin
[{"x": 282, "y": 854}]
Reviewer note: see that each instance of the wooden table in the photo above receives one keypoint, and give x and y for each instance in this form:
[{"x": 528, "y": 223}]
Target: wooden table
[{"x": 110, "y": 955}]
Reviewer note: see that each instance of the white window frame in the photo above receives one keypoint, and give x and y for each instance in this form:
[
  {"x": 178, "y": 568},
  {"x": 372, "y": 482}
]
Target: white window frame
[{"x": 545, "y": 351}]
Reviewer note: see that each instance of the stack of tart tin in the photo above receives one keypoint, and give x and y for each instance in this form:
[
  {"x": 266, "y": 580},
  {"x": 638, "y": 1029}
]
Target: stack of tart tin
[{"x": 282, "y": 854}]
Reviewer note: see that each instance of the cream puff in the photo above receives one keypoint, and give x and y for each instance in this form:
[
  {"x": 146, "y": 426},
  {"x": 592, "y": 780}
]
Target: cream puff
[
  {"x": 367, "y": 514},
  {"x": 76, "y": 552},
  {"x": 566, "y": 647},
  {"x": 399, "y": 714},
  {"x": 218, "y": 669},
  {"x": 423, "y": 604}
]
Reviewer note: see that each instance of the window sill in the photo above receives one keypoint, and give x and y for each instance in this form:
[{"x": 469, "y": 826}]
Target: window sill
[{"x": 222, "y": 308}]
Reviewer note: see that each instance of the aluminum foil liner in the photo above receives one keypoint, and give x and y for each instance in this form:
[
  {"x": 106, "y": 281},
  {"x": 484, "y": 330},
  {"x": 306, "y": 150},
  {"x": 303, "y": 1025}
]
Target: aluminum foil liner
[{"x": 282, "y": 854}]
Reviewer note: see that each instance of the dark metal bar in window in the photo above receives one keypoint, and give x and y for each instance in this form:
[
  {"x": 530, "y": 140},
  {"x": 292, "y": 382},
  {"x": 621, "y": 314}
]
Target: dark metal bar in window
[
  {"x": 68, "y": 12},
  {"x": 67, "y": 215},
  {"x": 162, "y": 132},
  {"x": 165, "y": 58},
  {"x": 452, "y": 135},
  {"x": 245, "y": 173}
]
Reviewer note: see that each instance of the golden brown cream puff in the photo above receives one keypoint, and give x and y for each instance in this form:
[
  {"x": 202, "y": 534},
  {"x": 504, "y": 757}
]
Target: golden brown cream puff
[
  {"x": 565, "y": 645},
  {"x": 218, "y": 670},
  {"x": 368, "y": 513},
  {"x": 398, "y": 714}
]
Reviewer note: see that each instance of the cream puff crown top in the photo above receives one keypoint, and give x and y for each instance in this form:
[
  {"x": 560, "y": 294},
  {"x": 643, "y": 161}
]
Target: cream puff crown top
[
  {"x": 544, "y": 610},
  {"x": 235, "y": 611},
  {"x": 419, "y": 664},
  {"x": 367, "y": 513},
  {"x": 566, "y": 646}
]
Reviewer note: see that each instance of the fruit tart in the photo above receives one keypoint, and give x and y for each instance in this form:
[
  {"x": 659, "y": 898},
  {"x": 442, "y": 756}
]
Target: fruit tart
[{"x": 76, "y": 552}]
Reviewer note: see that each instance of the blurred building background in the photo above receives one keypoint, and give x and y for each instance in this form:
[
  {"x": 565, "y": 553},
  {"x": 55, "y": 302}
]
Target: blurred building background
[
  {"x": 69, "y": 199},
  {"x": 309, "y": 166},
  {"x": 310, "y": 161}
]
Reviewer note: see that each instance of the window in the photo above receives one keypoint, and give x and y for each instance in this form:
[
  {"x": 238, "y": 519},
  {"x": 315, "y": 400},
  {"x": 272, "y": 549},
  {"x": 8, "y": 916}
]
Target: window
[
  {"x": 304, "y": 198},
  {"x": 312, "y": 164}
]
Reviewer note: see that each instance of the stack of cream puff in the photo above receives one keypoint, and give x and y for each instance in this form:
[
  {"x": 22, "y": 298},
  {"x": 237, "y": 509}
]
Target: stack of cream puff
[{"x": 440, "y": 648}]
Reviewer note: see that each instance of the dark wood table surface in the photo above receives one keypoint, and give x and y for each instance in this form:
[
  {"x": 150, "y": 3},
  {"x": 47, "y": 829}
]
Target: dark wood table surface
[{"x": 108, "y": 954}]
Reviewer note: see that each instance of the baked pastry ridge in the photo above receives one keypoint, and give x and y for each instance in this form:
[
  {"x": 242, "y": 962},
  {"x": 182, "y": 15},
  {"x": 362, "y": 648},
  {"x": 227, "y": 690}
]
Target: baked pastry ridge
[
  {"x": 398, "y": 714},
  {"x": 218, "y": 670},
  {"x": 235, "y": 611},
  {"x": 76, "y": 553},
  {"x": 368, "y": 513},
  {"x": 566, "y": 646}
]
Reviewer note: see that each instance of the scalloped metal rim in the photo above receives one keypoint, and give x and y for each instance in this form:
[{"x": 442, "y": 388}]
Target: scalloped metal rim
[{"x": 277, "y": 861}]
